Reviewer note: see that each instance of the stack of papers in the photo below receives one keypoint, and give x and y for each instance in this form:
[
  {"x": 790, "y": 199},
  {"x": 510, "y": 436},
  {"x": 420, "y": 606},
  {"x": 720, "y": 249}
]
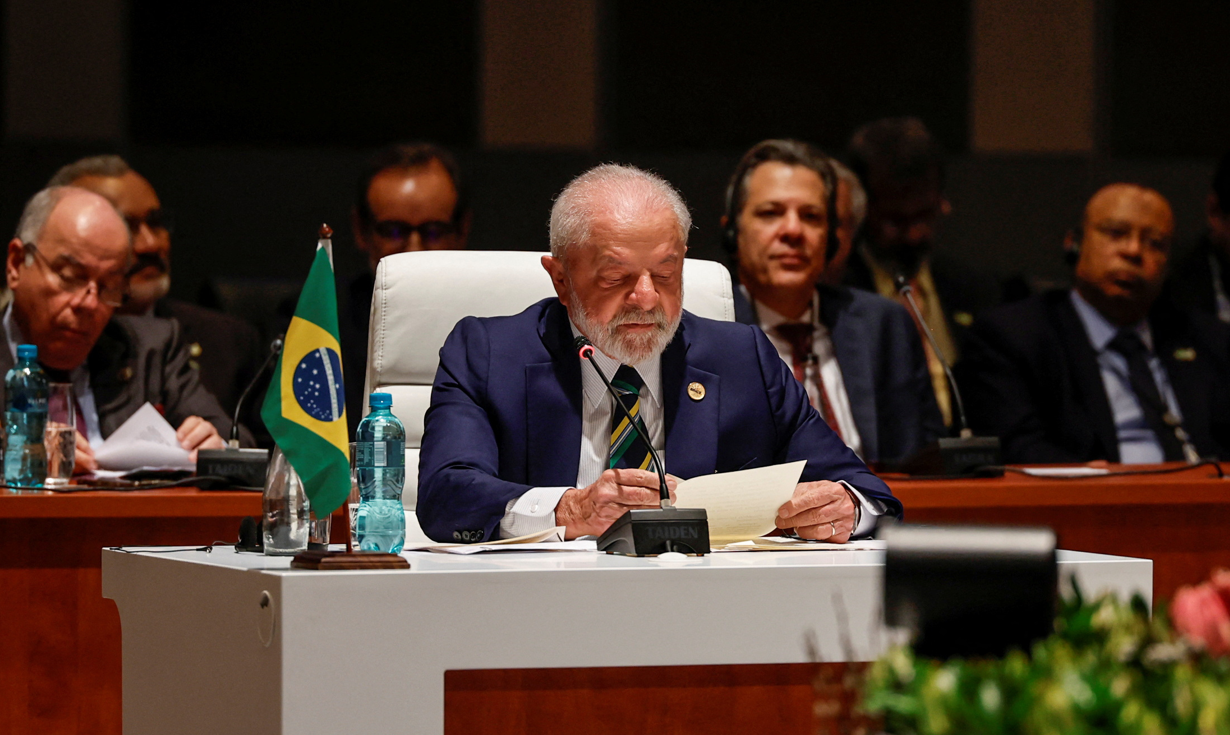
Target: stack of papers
[{"x": 145, "y": 440}]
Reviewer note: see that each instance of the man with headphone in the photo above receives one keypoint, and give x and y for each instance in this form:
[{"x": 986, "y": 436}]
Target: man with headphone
[
  {"x": 857, "y": 354},
  {"x": 1104, "y": 370}
]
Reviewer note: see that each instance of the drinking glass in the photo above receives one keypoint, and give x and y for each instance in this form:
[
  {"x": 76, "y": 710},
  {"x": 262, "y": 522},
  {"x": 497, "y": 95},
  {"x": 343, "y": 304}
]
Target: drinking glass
[
  {"x": 60, "y": 436},
  {"x": 353, "y": 503}
]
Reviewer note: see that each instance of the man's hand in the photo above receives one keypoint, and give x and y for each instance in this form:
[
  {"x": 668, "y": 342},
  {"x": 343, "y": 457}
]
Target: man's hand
[
  {"x": 823, "y": 511},
  {"x": 197, "y": 433},
  {"x": 83, "y": 457},
  {"x": 592, "y": 510}
]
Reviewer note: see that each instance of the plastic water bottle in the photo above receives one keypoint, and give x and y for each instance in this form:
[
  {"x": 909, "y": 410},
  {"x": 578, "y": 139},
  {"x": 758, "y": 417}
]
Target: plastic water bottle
[
  {"x": 380, "y": 462},
  {"x": 25, "y": 419}
]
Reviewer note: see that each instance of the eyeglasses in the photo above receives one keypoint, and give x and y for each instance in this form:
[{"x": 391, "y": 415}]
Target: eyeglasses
[
  {"x": 73, "y": 280},
  {"x": 155, "y": 219},
  {"x": 429, "y": 232}
]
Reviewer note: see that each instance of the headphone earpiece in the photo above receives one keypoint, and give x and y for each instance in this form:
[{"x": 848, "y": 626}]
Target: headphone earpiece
[
  {"x": 833, "y": 244},
  {"x": 1072, "y": 246},
  {"x": 730, "y": 231}
]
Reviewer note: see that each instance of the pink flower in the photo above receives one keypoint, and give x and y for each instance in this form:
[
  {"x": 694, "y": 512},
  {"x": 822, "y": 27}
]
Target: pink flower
[{"x": 1202, "y": 613}]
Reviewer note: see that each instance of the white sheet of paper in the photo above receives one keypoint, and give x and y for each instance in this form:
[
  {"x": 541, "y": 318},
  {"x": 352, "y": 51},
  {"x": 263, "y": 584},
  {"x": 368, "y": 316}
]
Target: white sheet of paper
[
  {"x": 580, "y": 544},
  {"x": 783, "y": 543},
  {"x": 144, "y": 440},
  {"x": 741, "y": 505},
  {"x": 1065, "y": 471}
]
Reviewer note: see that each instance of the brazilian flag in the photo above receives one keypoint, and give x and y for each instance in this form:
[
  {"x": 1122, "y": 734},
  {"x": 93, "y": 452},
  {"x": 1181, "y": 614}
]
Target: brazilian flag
[{"x": 305, "y": 407}]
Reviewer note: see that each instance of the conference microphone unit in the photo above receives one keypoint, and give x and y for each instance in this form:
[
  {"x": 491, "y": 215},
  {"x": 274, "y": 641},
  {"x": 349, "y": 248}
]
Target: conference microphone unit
[
  {"x": 649, "y": 531},
  {"x": 241, "y": 468},
  {"x": 963, "y": 455}
]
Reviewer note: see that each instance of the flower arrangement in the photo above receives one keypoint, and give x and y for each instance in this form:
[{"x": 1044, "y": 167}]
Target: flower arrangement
[{"x": 1109, "y": 669}]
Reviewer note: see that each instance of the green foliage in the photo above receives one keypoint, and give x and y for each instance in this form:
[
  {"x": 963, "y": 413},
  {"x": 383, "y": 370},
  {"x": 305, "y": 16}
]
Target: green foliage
[{"x": 1109, "y": 669}]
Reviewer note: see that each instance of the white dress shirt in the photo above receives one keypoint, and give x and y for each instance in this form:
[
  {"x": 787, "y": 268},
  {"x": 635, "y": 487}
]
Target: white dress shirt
[
  {"x": 1138, "y": 444},
  {"x": 829, "y": 372},
  {"x": 535, "y": 510},
  {"x": 80, "y": 377}
]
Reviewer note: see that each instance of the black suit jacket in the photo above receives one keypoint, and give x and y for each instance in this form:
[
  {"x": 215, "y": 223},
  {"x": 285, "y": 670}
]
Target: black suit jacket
[
  {"x": 1031, "y": 377},
  {"x": 1191, "y": 281},
  {"x": 883, "y": 367},
  {"x": 138, "y": 359},
  {"x": 964, "y": 292}
]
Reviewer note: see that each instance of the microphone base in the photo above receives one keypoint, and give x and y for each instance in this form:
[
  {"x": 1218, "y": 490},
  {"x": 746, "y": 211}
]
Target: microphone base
[
  {"x": 976, "y": 456},
  {"x": 243, "y": 468},
  {"x": 654, "y": 531}
]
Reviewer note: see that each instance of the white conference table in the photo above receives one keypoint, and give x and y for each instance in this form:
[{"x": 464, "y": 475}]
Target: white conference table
[{"x": 226, "y": 642}]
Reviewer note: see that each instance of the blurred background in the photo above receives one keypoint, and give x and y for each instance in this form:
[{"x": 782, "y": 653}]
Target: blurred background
[{"x": 252, "y": 120}]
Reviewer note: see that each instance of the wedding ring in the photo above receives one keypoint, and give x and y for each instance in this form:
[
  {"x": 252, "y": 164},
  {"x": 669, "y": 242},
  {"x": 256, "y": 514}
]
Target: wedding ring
[{"x": 833, "y": 524}]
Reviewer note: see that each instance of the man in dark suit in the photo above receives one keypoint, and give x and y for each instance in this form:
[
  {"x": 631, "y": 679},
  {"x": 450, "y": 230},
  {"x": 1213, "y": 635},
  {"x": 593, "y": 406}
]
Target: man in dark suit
[
  {"x": 1106, "y": 370},
  {"x": 67, "y": 269},
  {"x": 224, "y": 349},
  {"x": 1201, "y": 280},
  {"x": 521, "y": 436},
  {"x": 410, "y": 197},
  {"x": 857, "y": 354},
  {"x": 902, "y": 170}
]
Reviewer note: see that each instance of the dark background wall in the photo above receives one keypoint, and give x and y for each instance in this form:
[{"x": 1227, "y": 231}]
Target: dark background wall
[{"x": 252, "y": 119}]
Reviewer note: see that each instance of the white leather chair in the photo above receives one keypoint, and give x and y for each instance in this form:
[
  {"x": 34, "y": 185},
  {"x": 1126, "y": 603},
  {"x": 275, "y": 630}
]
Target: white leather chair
[{"x": 419, "y": 297}]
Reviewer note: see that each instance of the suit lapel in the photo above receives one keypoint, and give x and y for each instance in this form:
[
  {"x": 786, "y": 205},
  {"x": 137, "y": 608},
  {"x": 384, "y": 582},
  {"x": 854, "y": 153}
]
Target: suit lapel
[
  {"x": 854, "y": 359},
  {"x": 1083, "y": 364},
  {"x": 111, "y": 379},
  {"x": 553, "y": 416},
  {"x": 691, "y": 425},
  {"x": 1190, "y": 378}
]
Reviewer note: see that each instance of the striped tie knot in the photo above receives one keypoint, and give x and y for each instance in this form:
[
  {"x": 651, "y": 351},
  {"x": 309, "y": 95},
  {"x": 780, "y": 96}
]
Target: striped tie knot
[{"x": 627, "y": 447}]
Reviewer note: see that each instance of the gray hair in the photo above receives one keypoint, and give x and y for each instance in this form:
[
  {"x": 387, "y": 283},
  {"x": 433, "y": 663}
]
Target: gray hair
[
  {"x": 858, "y": 195},
  {"x": 108, "y": 166},
  {"x": 38, "y": 210},
  {"x": 625, "y": 192}
]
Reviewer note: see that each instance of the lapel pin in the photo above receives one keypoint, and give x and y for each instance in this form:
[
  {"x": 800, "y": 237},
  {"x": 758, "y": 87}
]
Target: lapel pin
[
  {"x": 964, "y": 318},
  {"x": 126, "y": 372},
  {"x": 194, "y": 349},
  {"x": 1185, "y": 354},
  {"x": 696, "y": 391}
]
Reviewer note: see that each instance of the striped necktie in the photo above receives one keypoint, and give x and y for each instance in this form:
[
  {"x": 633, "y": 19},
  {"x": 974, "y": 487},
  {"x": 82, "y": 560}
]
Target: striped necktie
[{"x": 627, "y": 447}]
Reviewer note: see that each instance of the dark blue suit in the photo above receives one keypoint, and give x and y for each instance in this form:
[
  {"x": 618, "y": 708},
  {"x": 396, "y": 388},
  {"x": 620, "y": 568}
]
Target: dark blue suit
[
  {"x": 883, "y": 368},
  {"x": 505, "y": 416}
]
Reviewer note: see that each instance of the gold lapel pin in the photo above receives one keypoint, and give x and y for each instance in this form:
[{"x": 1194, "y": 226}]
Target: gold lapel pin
[
  {"x": 194, "y": 349},
  {"x": 1185, "y": 354},
  {"x": 696, "y": 391},
  {"x": 126, "y": 372}
]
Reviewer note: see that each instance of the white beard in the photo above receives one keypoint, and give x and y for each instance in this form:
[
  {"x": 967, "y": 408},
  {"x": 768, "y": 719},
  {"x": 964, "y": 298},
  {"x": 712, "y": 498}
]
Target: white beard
[
  {"x": 145, "y": 293},
  {"x": 628, "y": 349}
]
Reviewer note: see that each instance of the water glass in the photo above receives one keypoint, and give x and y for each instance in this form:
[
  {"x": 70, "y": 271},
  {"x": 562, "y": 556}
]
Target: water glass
[
  {"x": 285, "y": 507},
  {"x": 60, "y": 436},
  {"x": 352, "y": 504}
]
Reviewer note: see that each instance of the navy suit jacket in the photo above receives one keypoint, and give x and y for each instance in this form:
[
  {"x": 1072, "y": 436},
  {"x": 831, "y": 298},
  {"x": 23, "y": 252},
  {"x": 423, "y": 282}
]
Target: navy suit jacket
[
  {"x": 505, "y": 416},
  {"x": 1031, "y": 377},
  {"x": 883, "y": 368}
]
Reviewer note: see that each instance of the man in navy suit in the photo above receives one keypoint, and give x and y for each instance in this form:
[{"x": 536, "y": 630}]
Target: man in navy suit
[
  {"x": 520, "y": 435},
  {"x": 857, "y": 354}
]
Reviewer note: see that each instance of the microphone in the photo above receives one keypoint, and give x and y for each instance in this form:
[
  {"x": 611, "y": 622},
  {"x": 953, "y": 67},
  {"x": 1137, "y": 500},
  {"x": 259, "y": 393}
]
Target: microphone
[
  {"x": 586, "y": 351},
  {"x": 649, "y": 531},
  {"x": 965, "y": 455},
  {"x": 275, "y": 349},
  {"x": 241, "y": 468}
]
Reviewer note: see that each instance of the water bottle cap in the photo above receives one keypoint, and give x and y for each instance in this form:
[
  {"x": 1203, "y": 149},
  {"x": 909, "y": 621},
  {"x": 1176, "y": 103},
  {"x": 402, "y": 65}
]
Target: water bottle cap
[
  {"x": 381, "y": 400},
  {"x": 27, "y": 351}
]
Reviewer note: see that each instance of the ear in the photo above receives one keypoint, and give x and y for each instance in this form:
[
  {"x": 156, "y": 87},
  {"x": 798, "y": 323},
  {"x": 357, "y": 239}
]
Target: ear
[
  {"x": 555, "y": 268},
  {"x": 13, "y": 262}
]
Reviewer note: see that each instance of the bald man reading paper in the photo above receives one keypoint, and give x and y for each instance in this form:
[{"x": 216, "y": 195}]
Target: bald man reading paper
[{"x": 518, "y": 437}]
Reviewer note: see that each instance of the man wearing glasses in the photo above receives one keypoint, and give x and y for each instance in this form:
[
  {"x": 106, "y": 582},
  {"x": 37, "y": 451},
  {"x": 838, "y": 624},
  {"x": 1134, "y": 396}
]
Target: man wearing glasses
[
  {"x": 67, "y": 268},
  {"x": 410, "y": 197},
  {"x": 225, "y": 349}
]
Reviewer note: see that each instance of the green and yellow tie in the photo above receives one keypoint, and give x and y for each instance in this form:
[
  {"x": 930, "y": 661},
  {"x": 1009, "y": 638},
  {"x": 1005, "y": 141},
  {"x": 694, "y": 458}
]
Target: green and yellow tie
[{"x": 627, "y": 447}]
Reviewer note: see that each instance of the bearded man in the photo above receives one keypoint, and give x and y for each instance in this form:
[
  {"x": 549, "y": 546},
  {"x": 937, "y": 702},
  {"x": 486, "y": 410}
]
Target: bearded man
[{"x": 520, "y": 436}]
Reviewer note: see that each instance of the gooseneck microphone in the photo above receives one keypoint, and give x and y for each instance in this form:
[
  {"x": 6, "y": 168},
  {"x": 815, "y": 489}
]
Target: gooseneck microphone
[
  {"x": 649, "y": 531},
  {"x": 585, "y": 349},
  {"x": 239, "y": 468},
  {"x": 275, "y": 349},
  {"x": 905, "y": 289},
  {"x": 965, "y": 455}
]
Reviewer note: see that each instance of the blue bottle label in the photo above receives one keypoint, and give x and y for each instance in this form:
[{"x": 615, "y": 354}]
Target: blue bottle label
[
  {"x": 29, "y": 404},
  {"x": 381, "y": 454}
]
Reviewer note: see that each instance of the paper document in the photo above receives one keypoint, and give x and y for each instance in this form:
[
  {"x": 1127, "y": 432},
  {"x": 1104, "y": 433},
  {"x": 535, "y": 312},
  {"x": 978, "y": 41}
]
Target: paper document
[
  {"x": 784, "y": 543},
  {"x": 741, "y": 505},
  {"x": 144, "y": 440},
  {"x": 580, "y": 544},
  {"x": 1065, "y": 471}
]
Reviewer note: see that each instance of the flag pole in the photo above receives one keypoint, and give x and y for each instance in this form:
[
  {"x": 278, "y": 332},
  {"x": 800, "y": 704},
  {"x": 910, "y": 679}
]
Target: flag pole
[{"x": 326, "y": 242}]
